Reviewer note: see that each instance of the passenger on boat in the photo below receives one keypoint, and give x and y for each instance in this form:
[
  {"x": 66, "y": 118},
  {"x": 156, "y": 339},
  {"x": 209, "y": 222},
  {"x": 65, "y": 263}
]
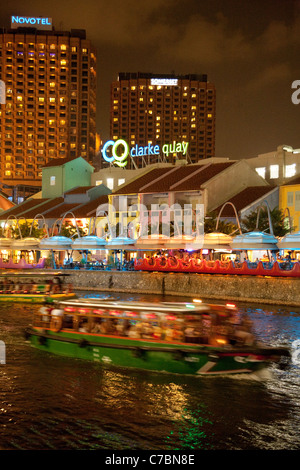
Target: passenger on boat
[
  {"x": 46, "y": 313},
  {"x": 122, "y": 327},
  {"x": 178, "y": 334},
  {"x": 96, "y": 326},
  {"x": 157, "y": 331},
  {"x": 168, "y": 333},
  {"x": 147, "y": 330},
  {"x": 134, "y": 331},
  {"x": 57, "y": 312},
  {"x": 84, "y": 327},
  {"x": 56, "y": 319},
  {"x": 56, "y": 286}
]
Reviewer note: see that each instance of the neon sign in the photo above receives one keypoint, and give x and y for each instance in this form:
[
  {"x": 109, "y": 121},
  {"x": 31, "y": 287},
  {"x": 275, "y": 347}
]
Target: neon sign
[
  {"x": 139, "y": 151},
  {"x": 42, "y": 23},
  {"x": 119, "y": 160}
]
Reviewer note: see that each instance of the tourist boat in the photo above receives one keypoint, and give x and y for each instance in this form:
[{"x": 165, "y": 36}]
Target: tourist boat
[
  {"x": 34, "y": 287},
  {"x": 177, "y": 338}
]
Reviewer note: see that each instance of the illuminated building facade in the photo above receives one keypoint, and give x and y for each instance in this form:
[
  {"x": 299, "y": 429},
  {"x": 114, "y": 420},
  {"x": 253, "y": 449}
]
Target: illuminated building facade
[
  {"x": 50, "y": 108},
  {"x": 156, "y": 110}
]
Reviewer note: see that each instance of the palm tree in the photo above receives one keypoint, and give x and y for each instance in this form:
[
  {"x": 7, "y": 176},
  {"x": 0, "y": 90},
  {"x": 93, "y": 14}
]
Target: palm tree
[
  {"x": 210, "y": 223},
  {"x": 27, "y": 231},
  {"x": 280, "y": 227}
]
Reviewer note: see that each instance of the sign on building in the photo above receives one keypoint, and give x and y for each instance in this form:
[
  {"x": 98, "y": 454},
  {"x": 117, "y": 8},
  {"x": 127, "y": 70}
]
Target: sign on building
[{"x": 31, "y": 21}]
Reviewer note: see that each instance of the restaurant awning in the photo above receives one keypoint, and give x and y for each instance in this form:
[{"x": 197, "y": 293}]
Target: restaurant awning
[
  {"x": 57, "y": 243},
  {"x": 217, "y": 241},
  {"x": 28, "y": 243},
  {"x": 89, "y": 242},
  {"x": 121, "y": 243},
  {"x": 5, "y": 243},
  {"x": 291, "y": 241}
]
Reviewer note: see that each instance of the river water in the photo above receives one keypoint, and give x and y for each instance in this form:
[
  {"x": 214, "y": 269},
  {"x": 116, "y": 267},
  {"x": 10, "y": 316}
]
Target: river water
[{"x": 50, "y": 402}]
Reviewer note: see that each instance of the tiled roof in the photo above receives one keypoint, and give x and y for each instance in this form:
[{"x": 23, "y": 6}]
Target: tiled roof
[
  {"x": 89, "y": 209},
  {"x": 292, "y": 181},
  {"x": 59, "y": 210},
  {"x": 5, "y": 203},
  {"x": 42, "y": 206},
  {"x": 133, "y": 187},
  {"x": 19, "y": 209},
  {"x": 79, "y": 190},
  {"x": 243, "y": 199},
  {"x": 54, "y": 208},
  {"x": 205, "y": 173},
  {"x": 177, "y": 178},
  {"x": 59, "y": 161}
]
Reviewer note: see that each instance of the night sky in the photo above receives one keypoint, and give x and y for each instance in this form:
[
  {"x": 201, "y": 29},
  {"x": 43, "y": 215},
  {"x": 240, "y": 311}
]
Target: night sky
[{"x": 250, "y": 50}]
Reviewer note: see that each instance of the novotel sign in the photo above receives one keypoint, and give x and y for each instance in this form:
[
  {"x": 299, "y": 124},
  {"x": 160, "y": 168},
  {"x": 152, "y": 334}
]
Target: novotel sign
[
  {"x": 29, "y": 21},
  {"x": 139, "y": 151}
]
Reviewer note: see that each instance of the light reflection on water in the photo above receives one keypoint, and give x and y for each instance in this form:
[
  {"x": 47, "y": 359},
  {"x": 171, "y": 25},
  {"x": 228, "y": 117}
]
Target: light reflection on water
[{"x": 52, "y": 402}]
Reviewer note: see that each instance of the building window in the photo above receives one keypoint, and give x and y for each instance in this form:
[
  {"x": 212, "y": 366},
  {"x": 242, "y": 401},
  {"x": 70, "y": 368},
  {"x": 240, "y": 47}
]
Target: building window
[
  {"x": 52, "y": 180},
  {"x": 98, "y": 182},
  {"x": 274, "y": 171},
  {"x": 261, "y": 171},
  {"x": 290, "y": 199},
  {"x": 110, "y": 183},
  {"x": 121, "y": 181},
  {"x": 290, "y": 170}
]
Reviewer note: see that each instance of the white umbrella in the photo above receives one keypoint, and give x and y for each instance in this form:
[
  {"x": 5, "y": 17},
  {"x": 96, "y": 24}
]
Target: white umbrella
[
  {"x": 58, "y": 243},
  {"x": 89, "y": 242},
  {"x": 291, "y": 241},
  {"x": 28, "y": 243},
  {"x": 254, "y": 241}
]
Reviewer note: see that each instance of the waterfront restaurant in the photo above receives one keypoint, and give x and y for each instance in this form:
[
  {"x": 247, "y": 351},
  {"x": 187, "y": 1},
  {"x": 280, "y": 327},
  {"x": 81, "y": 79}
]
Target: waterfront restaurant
[{"x": 137, "y": 202}]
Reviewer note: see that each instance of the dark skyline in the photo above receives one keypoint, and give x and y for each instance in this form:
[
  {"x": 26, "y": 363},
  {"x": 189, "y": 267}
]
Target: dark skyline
[{"x": 249, "y": 50}]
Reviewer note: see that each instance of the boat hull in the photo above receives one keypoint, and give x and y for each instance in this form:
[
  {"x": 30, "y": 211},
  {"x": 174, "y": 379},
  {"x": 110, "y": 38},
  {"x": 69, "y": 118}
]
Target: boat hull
[{"x": 153, "y": 356}]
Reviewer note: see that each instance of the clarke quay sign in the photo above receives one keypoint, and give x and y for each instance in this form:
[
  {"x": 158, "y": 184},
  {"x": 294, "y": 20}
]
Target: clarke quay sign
[
  {"x": 139, "y": 151},
  {"x": 31, "y": 21}
]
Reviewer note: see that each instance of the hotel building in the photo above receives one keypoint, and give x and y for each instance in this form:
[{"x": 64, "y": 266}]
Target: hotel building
[
  {"x": 163, "y": 109},
  {"x": 50, "y": 108}
]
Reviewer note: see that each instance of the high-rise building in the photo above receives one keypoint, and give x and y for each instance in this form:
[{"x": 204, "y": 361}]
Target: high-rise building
[
  {"x": 164, "y": 109},
  {"x": 50, "y": 108}
]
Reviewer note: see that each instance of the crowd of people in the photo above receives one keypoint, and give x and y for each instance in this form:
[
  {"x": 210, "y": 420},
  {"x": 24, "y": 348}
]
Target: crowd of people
[
  {"x": 213, "y": 328},
  {"x": 286, "y": 261}
]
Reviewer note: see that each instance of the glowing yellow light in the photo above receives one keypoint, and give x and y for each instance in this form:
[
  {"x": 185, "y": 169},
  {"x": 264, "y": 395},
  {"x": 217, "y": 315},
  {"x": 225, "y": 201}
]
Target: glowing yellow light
[{"x": 221, "y": 341}]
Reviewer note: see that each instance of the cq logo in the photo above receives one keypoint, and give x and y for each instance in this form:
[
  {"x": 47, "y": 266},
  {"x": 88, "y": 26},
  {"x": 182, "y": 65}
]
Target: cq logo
[{"x": 118, "y": 160}]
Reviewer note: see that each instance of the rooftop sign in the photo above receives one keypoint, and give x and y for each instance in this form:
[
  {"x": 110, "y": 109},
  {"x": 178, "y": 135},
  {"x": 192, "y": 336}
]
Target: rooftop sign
[
  {"x": 31, "y": 21},
  {"x": 139, "y": 151},
  {"x": 164, "y": 81}
]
